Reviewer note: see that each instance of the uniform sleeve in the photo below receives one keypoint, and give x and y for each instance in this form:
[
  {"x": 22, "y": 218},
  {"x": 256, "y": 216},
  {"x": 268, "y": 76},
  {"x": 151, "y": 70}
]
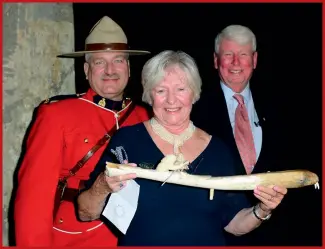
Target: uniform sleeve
[{"x": 37, "y": 180}]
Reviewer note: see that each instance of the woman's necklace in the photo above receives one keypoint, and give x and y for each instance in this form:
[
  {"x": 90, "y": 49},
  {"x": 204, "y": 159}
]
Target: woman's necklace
[{"x": 176, "y": 140}]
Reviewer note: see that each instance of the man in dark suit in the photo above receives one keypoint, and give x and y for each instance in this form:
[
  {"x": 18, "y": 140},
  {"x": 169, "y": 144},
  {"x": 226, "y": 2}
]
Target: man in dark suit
[
  {"x": 235, "y": 59},
  {"x": 229, "y": 110}
]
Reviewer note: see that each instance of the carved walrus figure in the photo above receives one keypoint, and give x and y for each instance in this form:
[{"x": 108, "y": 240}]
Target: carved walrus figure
[{"x": 287, "y": 178}]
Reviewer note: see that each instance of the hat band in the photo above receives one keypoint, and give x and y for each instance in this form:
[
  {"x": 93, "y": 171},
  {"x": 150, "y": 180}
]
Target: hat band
[{"x": 106, "y": 46}]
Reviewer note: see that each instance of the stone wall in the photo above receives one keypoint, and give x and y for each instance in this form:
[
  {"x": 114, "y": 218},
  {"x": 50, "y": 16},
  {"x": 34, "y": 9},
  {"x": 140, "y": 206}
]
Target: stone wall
[{"x": 33, "y": 34}]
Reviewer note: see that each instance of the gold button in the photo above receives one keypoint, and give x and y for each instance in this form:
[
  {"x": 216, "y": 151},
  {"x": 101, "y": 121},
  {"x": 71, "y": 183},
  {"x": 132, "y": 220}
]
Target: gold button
[
  {"x": 60, "y": 220},
  {"x": 86, "y": 140}
]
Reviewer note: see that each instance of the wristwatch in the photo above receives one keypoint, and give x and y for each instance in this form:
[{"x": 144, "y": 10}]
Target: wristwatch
[{"x": 258, "y": 217}]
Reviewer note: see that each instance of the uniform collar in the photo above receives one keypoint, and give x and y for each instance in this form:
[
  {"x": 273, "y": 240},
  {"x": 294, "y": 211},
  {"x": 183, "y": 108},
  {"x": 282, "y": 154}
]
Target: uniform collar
[{"x": 104, "y": 102}]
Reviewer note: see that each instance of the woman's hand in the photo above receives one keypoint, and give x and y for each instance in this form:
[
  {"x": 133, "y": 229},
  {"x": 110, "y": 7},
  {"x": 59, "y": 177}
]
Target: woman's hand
[{"x": 270, "y": 197}]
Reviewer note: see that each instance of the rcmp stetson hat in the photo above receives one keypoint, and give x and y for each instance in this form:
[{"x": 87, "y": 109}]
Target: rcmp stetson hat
[{"x": 105, "y": 36}]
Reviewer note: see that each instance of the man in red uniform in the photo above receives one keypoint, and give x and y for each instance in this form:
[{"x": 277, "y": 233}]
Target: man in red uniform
[{"x": 63, "y": 132}]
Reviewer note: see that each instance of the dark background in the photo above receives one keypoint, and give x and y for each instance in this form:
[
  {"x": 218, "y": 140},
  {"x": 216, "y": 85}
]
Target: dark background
[{"x": 289, "y": 45}]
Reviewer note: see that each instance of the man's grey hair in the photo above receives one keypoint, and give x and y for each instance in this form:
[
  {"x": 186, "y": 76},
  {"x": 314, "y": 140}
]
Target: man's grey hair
[
  {"x": 237, "y": 33},
  {"x": 87, "y": 57},
  {"x": 154, "y": 70}
]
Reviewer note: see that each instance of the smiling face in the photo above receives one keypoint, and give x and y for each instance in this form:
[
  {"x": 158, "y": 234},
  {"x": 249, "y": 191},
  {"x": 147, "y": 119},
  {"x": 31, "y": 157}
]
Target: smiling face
[
  {"x": 172, "y": 99},
  {"x": 108, "y": 74},
  {"x": 235, "y": 63}
]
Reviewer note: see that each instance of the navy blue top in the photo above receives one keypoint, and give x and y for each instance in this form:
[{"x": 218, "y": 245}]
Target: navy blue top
[{"x": 175, "y": 215}]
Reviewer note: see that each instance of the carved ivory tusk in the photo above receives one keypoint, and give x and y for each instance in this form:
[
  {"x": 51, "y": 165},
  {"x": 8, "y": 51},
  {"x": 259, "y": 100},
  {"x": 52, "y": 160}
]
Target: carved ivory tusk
[{"x": 287, "y": 179}]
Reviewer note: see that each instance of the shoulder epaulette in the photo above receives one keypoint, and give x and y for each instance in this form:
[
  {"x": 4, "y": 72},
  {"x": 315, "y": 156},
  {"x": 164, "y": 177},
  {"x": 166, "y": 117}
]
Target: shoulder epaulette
[{"x": 62, "y": 97}]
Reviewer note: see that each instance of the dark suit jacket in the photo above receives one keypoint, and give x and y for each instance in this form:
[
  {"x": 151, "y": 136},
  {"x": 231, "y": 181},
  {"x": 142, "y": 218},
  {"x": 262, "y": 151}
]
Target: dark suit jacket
[{"x": 210, "y": 114}]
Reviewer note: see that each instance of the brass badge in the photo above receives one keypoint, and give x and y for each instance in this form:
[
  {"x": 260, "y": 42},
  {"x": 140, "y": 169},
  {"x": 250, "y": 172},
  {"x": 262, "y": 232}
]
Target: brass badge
[
  {"x": 102, "y": 102},
  {"x": 123, "y": 104}
]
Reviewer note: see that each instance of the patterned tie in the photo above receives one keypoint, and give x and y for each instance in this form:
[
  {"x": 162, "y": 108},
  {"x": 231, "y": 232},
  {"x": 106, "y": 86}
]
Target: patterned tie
[{"x": 243, "y": 135}]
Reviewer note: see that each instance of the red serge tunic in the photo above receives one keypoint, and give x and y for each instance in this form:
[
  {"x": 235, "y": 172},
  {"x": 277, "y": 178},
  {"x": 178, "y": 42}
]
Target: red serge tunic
[{"x": 63, "y": 132}]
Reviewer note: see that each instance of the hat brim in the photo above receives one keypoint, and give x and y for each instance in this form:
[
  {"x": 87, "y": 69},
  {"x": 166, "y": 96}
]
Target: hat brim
[{"x": 82, "y": 53}]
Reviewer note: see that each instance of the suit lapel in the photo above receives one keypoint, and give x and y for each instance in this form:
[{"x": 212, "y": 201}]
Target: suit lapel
[
  {"x": 211, "y": 115},
  {"x": 226, "y": 132},
  {"x": 224, "y": 128},
  {"x": 261, "y": 165}
]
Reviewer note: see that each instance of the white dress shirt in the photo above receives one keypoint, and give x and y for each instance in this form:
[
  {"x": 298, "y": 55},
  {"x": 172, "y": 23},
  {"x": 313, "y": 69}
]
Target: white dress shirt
[{"x": 252, "y": 115}]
